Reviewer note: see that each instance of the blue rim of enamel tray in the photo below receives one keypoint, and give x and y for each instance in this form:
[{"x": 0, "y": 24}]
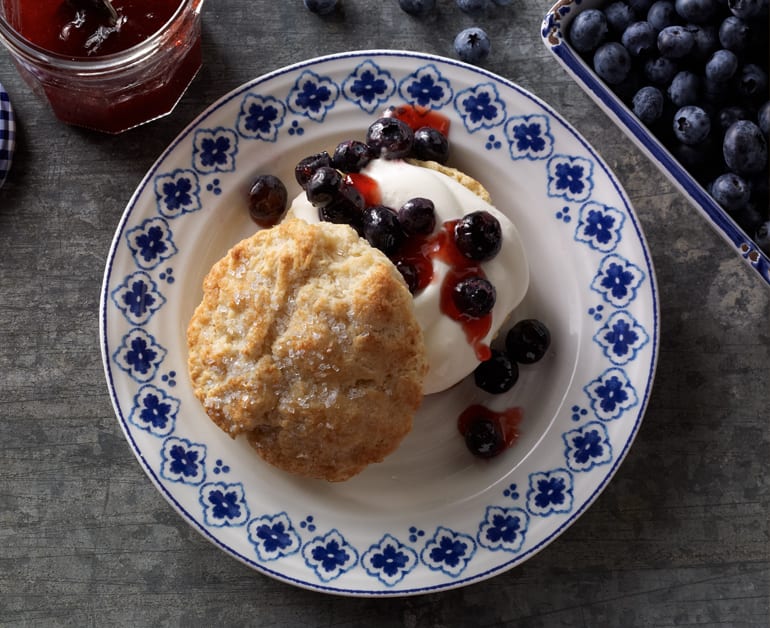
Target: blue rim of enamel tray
[{"x": 7, "y": 134}]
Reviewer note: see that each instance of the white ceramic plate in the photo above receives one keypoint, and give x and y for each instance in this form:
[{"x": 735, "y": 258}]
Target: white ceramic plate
[
  {"x": 554, "y": 35},
  {"x": 431, "y": 516}
]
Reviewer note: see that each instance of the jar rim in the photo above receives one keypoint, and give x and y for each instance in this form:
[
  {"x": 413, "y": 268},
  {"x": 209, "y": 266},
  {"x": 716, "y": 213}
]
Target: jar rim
[{"x": 32, "y": 52}]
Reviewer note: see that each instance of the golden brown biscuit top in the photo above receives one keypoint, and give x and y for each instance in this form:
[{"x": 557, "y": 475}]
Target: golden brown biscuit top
[{"x": 306, "y": 341}]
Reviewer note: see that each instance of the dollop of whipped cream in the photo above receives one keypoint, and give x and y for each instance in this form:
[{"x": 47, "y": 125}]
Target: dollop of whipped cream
[{"x": 450, "y": 355}]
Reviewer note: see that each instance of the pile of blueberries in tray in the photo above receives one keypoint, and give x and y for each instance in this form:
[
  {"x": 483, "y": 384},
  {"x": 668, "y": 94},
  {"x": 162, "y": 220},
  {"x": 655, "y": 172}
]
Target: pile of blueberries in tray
[{"x": 695, "y": 72}]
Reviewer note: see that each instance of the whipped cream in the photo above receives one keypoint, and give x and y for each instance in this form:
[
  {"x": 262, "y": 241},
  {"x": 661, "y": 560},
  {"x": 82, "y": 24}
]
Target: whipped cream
[{"x": 450, "y": 355}]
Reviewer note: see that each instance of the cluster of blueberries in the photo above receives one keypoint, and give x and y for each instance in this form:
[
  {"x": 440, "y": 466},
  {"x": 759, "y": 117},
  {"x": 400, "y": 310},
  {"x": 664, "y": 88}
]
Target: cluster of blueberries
[{"x": 695, "y": 72}]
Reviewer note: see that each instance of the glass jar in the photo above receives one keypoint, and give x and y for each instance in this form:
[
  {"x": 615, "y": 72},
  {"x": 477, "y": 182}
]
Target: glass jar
[{"x": 114, "y": 92}]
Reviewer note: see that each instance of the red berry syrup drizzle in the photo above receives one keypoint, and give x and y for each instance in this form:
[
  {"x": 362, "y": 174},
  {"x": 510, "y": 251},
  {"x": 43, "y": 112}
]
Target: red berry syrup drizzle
[
  {"x": 507, "y": 421},
  {"x": 417, "y": 117},
  {"x": 368, "y": 187}
]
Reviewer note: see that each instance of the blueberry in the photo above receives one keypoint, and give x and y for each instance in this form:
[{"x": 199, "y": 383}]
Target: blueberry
[
  {"x": 496, "y": 375},
  {"x": 472, "y": 45},
  {"x": 745, "y": 148},
  {"x": 618, "y": 15},
  {"x": 660, "y": 71},
  {"x": 734, "y": 34},
  {"x": 472, "y": 7},
  {"x": 418, "y": 8},
  {"x": 640, "y": 39},
  {"x": 763, "y": 119},
  {"x": 527, "y": 341},
  {"x": 321, "y": 7},
  {"x": 762, "y": 237},
  {"x": 752, "y": 82},
  {"x": 675, "y": 42},
  {"x": 612, "y": 62},
  {"x": 640, "y": 7},
  {"x": 474, "y": 296},
  {"x": 410, "y": 275},
  {"x": 692, "y": 125},
  {"x": 267, "y": 200},
  {"x": 588, "y": 30},
  {"x": 323, "y": 186},
  {"x": 430, "y": 145},
  {"x": 661, "y": 14},
  {"x": 478, "y": 236},
  {"x": 722, "y": 65},
  {"x": 684, "y": 89},
  {"x": 648, "y": 104},
  {"x": 484, "y": 438},
  {"x": 417, "y": 216},
  {"x": 745, "y": 9},
  {"x": 390, "y": 138},
  {"x": 706, "y": 38},
  {"x": 730, "y": 191},
  {"x": 308, "y": 165},
  {"x": 696, "y": 11},
  {"x": 730, "y": 114},
  {"x": 351, "y": 156},
  {"x": 381, "y": 228},
  {"x": 344, "y": 208}
]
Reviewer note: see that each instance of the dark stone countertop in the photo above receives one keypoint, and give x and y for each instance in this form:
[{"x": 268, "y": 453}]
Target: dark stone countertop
[{"x": 681, "y": 536}]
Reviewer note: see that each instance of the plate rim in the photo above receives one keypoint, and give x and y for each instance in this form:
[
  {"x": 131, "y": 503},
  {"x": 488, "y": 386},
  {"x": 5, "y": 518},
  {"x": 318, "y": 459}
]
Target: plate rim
[{"x": 419, "y": 590}]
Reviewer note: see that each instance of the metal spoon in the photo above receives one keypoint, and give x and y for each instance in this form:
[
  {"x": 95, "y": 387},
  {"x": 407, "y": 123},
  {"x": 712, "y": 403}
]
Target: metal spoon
[{"x": 104, "y": 6}]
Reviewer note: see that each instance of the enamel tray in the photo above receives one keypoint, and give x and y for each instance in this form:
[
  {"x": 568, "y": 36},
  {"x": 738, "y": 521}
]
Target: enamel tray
[
  {"x": 554, "y": 35},
  {"x": 431, "y": 516}
]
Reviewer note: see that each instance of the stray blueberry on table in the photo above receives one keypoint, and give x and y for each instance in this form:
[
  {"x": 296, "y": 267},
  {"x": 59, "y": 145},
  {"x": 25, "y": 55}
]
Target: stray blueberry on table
[
  {"x": 496, "y": 375},
  {"x": 472, "y": 45},
  {"x": 692, "y": 125},
  {"x": 612, "y": 62},
  {"x": 474, "y": 296},
  {"x": 588, "y": 30},
  {"x": 472, "y": 7},
  {"x": 417, "y": 8},
  {"x": 321, "y": 7},
  {"x": 527, "y": 341}
]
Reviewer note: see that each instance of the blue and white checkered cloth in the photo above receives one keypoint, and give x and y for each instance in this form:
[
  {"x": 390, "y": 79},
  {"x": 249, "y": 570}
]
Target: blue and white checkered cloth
[{"x": 7, "y": 133}]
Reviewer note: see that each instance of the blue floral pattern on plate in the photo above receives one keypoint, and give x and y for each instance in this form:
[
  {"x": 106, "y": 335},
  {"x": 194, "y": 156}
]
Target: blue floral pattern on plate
[{"x": 344, "y": 539}]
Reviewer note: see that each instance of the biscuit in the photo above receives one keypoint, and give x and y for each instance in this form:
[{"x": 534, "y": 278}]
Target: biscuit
[{"x": 306, "y": 342}]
